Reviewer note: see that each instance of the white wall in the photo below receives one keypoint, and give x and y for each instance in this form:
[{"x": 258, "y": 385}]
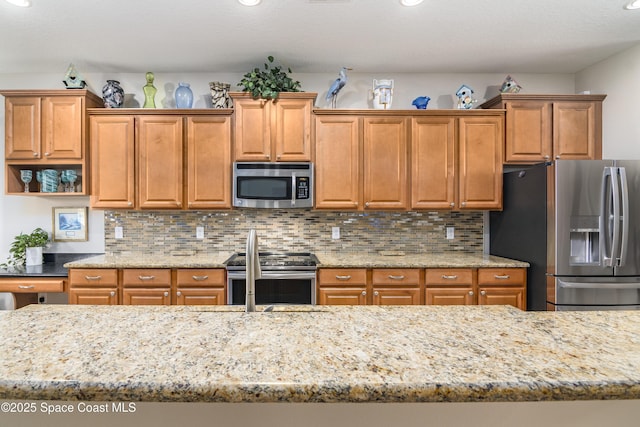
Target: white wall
[
  {"x": 617, "y": 76},
  {"x": 23, "y": 214}
]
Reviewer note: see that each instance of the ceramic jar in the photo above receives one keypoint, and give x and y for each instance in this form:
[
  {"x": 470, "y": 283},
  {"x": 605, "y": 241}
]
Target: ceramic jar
[
  {"x": 220, "y": 95},
  {"x": 184, "y": 96},
  {"x": 112, "y": 94}
]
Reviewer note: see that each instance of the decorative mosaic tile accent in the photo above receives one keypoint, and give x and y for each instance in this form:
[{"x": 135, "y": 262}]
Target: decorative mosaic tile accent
[{"x": 174, "y": 232}]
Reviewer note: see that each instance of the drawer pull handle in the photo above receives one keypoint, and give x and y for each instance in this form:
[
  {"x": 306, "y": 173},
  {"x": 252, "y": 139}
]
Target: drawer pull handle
[
  {"x": 93, "y": 277},
  {"x": 446, "y": 277},
  {"x": 200, "y": 278},
  {"x": 503, "y": 277},
  {"x": 146, "y": 277},
  {"x": 26, "y": 286},
  {"x": 343, "y": 277},
  {"x": 392, "y": 277}
]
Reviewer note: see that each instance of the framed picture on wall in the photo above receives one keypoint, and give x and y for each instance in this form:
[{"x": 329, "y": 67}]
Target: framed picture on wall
[{"x": 70, "y": 224}]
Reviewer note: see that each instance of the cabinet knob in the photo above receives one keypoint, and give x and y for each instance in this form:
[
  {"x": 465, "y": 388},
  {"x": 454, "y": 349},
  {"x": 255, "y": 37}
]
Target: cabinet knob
[
  {"x": 452, "y": 204},
  {"x": 463, "y": 204},
  {"x": 35, "y": 154},
  {"x": 366, "y": 205},
  {"x": 558, "y": 157},
  {"x": 179, "y": 293},
  {"x": 278, "y": 157},
  {"x": 546, "y": 157},
  {"x": 129, "y": 204},
  {"x": 470, "y": 293},
  {"x": 112, "y": 293},
  {"x": 364, "y": 293},
  {"x": 47, "y": 154},
  {"x": 376, "y": 293},
  {"x": 166, "y": 294},
  {"x": 483, "y": 293}
]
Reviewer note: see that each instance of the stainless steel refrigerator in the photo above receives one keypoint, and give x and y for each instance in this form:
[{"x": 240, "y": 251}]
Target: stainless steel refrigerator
[{"x": 577, "y": 222}]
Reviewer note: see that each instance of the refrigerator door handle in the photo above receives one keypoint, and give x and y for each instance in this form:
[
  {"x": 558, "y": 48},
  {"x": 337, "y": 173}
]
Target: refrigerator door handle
[
  {"x": 624, "y": 234},
  {"x": 605, "y": 217}
]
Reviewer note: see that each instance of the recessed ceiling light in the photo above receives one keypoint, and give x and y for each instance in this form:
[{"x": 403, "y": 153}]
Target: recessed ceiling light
[
  {"x": 249, "y": 2},
  {"x": 632, "y": 5},
  {"x": 21, "y": 3},
  {"x": 410, "y": 2}
]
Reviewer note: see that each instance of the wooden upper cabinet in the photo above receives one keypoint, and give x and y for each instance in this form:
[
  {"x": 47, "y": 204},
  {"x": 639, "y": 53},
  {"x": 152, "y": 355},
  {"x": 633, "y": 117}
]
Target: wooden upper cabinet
[
  {"x": 209, "y": 162},
  {"x": 337, "y": 166},
  {"x": 112, "y": 166},
  {"x": 547, "y": 127},
  {"x": 433, "y": 163},
  {"x": 159, "y": 161},
  {"x": 278, "y": 130},
  {"x": 385, "y": 162},
  {"x": 480, "y": 162},
  {"x": 457, "y": 161},
  {"x": 23, "y": 128}
]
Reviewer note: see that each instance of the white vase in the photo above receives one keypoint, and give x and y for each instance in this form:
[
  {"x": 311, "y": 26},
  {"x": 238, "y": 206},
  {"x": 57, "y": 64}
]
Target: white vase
[
  {"x": 382, "y": 94},
  {"x": 34, "y": 256}
]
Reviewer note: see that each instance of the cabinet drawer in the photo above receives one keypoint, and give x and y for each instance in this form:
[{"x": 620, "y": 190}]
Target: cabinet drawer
[
  {"x": 146, "y": 277},
  {"x": 201, "y": 277},
  {"x": 501, "y": 276},
  {"x": 391, "y": 276},
  {"x": 93, "y": 277},
  {"x": 342, "y": 276},
  {"x": 449, "y": 276},
  {"x": 31, "y": 285}
]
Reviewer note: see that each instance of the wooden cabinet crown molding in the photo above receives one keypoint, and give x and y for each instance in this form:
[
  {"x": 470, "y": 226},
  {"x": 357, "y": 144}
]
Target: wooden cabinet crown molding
[
  {"x": 540, "y": 97},
  {"x": 160, "y": 111},
  {"x": 14, "y": 93},
  {"x": 410, "y": 113}
]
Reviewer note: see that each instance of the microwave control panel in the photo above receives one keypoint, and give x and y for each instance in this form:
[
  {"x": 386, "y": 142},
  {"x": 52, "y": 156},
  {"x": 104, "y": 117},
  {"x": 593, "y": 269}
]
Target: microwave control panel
[{"x": 302, "y": 187}]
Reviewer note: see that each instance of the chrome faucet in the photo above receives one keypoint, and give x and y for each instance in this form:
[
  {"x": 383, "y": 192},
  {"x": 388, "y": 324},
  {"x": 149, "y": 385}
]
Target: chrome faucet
[{"x": 253, "y": 271}]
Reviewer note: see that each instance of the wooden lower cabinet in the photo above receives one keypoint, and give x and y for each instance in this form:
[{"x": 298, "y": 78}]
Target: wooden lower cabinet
[
  {"x": 200, "y": 287},
  {"x": 482, "y": 286},
  {"x": 93, "y": 286},
  {"x": 148, "y": 286},
  {"x": 365, "y": 287}
]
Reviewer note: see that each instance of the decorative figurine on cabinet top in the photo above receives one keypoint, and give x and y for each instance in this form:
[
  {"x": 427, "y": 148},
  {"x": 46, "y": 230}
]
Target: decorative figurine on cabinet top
[
  {"x": 421, "y": 102},
  {"x": 337, "y": 85},
  {"x": 465, "y": 100},
  {"x": 73, "y": 79},
  {"x": 149, "y": 92},
  {"x": 510, "y": 85},
  {"x": 382, "y": 93}
]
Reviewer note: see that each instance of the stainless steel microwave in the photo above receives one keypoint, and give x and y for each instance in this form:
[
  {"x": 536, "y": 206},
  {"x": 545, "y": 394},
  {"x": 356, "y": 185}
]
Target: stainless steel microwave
[{"x": 272, "y": 185}]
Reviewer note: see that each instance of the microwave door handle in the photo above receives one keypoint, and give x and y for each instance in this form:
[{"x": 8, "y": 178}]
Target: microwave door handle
[
  {"x": 624, "y": 233},
  {"x": 605, "y": 215},
  {"x": 293, "y": 189}
]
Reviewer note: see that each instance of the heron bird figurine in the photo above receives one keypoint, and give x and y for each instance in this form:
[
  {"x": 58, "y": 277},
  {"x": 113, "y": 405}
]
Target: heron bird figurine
[{"x": 337, "y": 85}]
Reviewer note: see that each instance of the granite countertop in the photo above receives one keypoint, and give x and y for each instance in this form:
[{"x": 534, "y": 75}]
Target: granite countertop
[
  {"x": 333, "y": 259},
  {"x": 318, "y": 354}
]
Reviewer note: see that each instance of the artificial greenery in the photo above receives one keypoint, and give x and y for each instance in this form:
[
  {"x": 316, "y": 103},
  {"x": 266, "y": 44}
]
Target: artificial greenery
[
  {"x": 268, "y": 83},
  {"x": 18, "y": 249}
]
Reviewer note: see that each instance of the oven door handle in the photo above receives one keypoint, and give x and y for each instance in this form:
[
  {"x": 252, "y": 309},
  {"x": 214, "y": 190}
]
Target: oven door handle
[{"x": 277, "y": 275}]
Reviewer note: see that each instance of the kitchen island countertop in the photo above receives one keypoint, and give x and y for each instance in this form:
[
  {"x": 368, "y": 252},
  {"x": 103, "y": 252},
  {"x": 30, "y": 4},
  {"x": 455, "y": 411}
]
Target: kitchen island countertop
[{"x": 317, "y": 354}]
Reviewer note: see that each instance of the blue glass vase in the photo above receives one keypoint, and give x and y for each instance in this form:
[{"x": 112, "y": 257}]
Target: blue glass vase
[{"x": 184, "y": 96}]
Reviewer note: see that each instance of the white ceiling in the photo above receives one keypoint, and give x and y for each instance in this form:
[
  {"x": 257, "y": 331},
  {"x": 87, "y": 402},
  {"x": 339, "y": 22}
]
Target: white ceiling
[{"x": 467, "y": 36}]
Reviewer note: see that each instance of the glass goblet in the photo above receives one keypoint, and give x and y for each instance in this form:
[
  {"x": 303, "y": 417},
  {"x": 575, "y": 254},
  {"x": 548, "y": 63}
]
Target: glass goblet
[
  {"x": 25, "y": 176},
  {"x": 72, "y": 176},
  {"x": 65, "y": 180},
  {"x": 39, "y": 179}
]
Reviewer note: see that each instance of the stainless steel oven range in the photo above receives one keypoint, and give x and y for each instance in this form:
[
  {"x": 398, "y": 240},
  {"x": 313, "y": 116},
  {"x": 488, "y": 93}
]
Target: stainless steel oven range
[{"x": 287, "y": 278}]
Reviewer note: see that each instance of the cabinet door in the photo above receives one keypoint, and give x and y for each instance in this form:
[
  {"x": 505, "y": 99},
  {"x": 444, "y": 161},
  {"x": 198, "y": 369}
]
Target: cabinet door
[
  {"x": 337, "y": 166},
  {"x": 200, "y": 296},
  {"x": 252, "y": 130},
  {"x": 112, "y": 161},
  {"x": 209, "y": 162},
  {"x": 146, "y": 296},
  {"x": 62, "y": 127},
  {"x": 159, "y": 162},
  {"x": 529, "y": 132},
  {"x": 502, "y": 295},
  {"x": 22, "y": 128},
  {"x": 396, "y": 295},
  {"x": 292, "y": 136},
  {"x": 433, "y": 163},
  {"x": 480, "y": 162},
  {"x": 385, "y": 163},
  {"x": 342, "y": 296},
  {"x": 503, "y": 286},
  {"x": 574, "y": 131},
  {"x": 450, "y": 295},
  {"x": 93, "y": 296}
]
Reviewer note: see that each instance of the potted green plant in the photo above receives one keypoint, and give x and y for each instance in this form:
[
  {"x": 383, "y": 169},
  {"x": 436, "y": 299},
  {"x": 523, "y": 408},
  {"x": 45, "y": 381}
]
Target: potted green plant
[
  {"x": 27, "y": 249},
  {"x": 268, "y": 83}
]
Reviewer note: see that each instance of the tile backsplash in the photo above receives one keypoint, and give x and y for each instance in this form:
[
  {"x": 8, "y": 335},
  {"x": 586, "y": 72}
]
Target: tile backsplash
[{"x": 174, "y": 232}]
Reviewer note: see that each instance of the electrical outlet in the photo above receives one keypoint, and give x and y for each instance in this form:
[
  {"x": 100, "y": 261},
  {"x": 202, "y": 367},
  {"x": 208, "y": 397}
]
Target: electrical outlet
[
  {"x": 199, "y": 232},
  {"x": 119, "y": 233},
  {"x": 335, "y": 233},
  {"x": 450, "y": 233}
]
